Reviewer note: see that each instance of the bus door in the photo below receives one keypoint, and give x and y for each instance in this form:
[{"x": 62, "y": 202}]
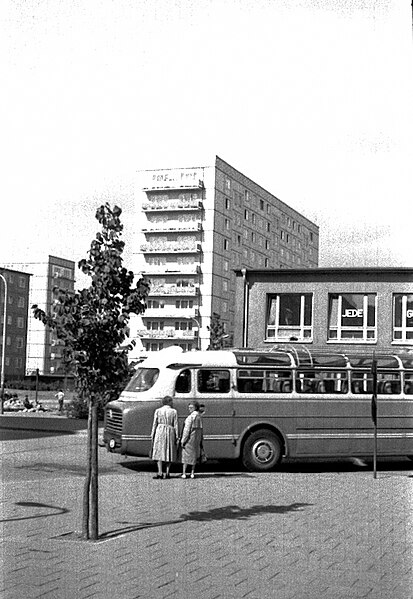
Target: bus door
[{"x": 214, "y": 393}]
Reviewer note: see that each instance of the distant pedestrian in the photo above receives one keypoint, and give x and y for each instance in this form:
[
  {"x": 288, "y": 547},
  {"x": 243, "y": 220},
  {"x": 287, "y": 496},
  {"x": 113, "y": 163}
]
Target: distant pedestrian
[
  {"x": 60, "y": 397},
  {"x": 27, "y": 405},
  {"x": 192, "y": 439},
  {"x": 164, "y": 436}
]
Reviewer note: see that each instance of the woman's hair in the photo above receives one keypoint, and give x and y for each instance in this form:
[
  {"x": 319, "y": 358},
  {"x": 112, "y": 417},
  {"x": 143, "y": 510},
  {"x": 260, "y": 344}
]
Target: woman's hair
[
  {"x": 195, "y": 404},
  {"x": 167, "y": 400}
]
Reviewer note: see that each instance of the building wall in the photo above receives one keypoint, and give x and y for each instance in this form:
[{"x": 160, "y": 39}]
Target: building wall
[
  {"x": 16, "y": 321},
  {"x": 380, "y": 285}
]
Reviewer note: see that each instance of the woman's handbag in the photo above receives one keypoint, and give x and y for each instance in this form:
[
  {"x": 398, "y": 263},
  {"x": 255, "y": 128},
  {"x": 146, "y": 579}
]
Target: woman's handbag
[{"x": 203, "y": 456}]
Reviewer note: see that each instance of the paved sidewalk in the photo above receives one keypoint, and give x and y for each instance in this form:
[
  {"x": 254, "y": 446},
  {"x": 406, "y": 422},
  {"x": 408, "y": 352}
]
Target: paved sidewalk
[{"x": 289, "y": 535}]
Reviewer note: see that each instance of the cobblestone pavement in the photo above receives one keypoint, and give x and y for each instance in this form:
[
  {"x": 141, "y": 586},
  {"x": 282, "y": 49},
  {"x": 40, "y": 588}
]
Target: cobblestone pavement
[{"x": 299, "y": 533}]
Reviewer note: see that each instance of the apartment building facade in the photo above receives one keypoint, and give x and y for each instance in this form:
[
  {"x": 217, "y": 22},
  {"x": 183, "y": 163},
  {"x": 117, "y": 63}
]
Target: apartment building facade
[
  {"x": 194, "y": 227},
  {"x": 44, "y": 350},
  {"x": 14, "y": 305}
]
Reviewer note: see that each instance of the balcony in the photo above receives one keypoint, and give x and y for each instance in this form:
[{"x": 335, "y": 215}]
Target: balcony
[
  {"x": 175, "y": 269},
  {"x": 170, "y": 248},
  {"x": 166, "y": 334},
  {"x": 169, "y": 312},
  {"x": 172, "y": 205},
  {"x": 160, "y": 290},
  {"x": 184, "y": 227}
]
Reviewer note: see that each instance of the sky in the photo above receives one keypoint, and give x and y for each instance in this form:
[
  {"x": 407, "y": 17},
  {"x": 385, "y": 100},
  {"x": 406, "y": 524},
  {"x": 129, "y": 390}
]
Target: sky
[{"x": 309, "y": 98}]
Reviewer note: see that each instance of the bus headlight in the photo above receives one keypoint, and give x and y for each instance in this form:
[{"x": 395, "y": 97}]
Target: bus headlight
[{"x": 112, "y": 443}]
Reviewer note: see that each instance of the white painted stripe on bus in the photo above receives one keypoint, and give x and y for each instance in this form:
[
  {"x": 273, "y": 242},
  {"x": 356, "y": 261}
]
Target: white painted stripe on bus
[
  {"x": 349, "y": 436},
  {"x": 148, "y": 438}
]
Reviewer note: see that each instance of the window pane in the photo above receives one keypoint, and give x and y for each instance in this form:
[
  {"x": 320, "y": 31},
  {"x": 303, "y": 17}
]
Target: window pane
[
  {"x": 371, "y": 311},
  {"x": 352, "y": 310},
  {"x": 307, "y": 310},
  {"x": 333, "y": 311},
  {"x": 290, "y": 309},
  {"x": 409, "y": 313}
]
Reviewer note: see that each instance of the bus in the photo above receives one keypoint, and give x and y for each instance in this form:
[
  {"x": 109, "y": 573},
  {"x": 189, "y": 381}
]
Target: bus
[{"x": 261, "y": 406}]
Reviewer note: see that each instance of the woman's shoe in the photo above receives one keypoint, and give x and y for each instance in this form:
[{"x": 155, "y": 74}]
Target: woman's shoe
[
  {"x": 167, "y": 476},
  {"x": 192, "y": 475},
  {"x": 158, "y": 476},
  {"x": 183, "y": 476}
]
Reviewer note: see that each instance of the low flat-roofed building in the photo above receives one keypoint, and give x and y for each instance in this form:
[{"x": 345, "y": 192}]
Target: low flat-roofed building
[{"x": 334, "y": 309}]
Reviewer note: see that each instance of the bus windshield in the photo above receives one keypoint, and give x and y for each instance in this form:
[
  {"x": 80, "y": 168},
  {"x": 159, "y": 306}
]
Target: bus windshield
[{"x": 144, "y": 379}]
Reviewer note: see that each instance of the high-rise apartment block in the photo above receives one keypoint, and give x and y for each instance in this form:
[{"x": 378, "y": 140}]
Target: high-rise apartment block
[
  {"x": 195, "y": 226},
  {"x": 13, "y": 328},
  {"x": 45, "y": 351}
]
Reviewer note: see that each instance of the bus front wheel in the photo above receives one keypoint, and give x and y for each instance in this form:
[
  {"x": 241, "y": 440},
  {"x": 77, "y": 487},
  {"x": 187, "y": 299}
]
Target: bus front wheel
[{"x": 262, "y": 451}]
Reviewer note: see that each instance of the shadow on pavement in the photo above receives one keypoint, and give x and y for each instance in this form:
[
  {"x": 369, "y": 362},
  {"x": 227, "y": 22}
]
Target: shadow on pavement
[
  {"x": 214, "y": 468},
  {"x": 58, "y": 511},
  {"x": 228, "y": 512},
  {"x": 232, "y": 468}
]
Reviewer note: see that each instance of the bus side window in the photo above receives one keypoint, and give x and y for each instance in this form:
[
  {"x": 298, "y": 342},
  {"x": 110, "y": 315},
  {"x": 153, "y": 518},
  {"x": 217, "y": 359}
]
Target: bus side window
[
  {"x": 408, "y": 387},
  {"x": 213, "y": 381},
  {"x": 183, "y": 382}
]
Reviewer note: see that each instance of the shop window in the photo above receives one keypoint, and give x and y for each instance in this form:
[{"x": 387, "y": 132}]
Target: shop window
[
  {"x": 402, "y": 317},
  {"x": 352, "y": 317},
  {"x": 289, "y": 317}
]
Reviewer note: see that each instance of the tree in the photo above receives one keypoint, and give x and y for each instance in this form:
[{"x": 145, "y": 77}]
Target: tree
[
  {"x": 218, "y": 334},
  {"x": 93, "y": 324}
]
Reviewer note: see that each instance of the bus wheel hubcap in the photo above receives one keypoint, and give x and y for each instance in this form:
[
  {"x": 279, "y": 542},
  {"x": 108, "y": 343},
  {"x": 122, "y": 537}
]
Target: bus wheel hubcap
[{"x": 263, "y": 451}]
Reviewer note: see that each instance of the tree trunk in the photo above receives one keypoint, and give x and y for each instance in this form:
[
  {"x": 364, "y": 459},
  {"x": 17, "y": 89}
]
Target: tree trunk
[
  {"x": 94, "y": 533},
  {"x": 86, "y": 487}
]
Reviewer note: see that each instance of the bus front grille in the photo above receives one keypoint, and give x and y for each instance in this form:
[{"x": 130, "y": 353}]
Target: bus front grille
[{"x": 113, "y": 421}]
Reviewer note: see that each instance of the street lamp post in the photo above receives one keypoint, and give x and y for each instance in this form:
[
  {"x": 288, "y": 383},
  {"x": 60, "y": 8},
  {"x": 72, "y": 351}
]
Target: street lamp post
[
  {"x": 198, "y": 340},
  {"x": 3, "y": 347}
]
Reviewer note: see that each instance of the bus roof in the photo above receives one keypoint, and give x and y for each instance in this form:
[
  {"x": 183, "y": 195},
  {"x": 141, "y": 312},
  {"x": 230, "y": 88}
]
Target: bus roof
[{"x": 288, "y": 357}]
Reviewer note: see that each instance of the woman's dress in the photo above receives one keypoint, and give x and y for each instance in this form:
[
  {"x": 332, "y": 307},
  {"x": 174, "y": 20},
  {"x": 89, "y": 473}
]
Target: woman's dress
[
  {"x": 164, "y": 434},
  {"x": 192, "y": 437}
]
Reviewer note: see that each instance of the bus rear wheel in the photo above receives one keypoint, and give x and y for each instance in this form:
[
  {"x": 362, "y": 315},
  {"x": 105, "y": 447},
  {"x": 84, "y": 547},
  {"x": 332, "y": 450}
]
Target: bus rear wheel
[{"x": 262, "y": 451}]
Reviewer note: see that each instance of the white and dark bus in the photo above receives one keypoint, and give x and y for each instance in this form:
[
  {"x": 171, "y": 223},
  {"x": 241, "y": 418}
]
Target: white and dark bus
[{"x": 261, "y": 406}]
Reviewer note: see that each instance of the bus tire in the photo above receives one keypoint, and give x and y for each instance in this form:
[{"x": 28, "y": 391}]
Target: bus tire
[{"x": 262, "y": 451}]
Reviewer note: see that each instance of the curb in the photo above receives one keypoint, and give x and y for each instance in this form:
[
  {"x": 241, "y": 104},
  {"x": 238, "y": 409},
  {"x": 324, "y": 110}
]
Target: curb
[{"x": 42, "y": 423}]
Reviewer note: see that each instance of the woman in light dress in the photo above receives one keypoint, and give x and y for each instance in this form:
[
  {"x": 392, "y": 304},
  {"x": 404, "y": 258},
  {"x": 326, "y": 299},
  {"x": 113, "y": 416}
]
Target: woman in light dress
[
  {"x": 192, "y": 439},
  {"x": 164, "y": 436}
]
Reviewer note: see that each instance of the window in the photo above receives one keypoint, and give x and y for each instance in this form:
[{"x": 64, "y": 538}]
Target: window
[
  {"x": 183, "y": 325},
  {"x": 20, "y": 322},
  {"x": 19, "y": 342},
  {"x": 322, "y": 382},
  {"x": 226, "y": 265},
  {"x": 266, "y": 263},
  {"x": 213, "y": 381},
  {"x": 289, "y": 317},
  {"x": 226, "y": 244},
  {"x": 227, "y": 183},
  {"x": 226, "y": 224},
  {"x": 153, "y": 346},
  {"x": 184, "y": 304},
  {"x": 20, "y": 302},
  {"x": 9, "y": 319},
  {"x": 352, "y": 316},
  {"x": 261, "y": 204},
  {"x": 227, "y": 204},
  {"x": 183, "y": 382},
  {"x": 246, "y": 215},
  {"x": 402, "y": 317},
  {"x": 22, "y": 282}
]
